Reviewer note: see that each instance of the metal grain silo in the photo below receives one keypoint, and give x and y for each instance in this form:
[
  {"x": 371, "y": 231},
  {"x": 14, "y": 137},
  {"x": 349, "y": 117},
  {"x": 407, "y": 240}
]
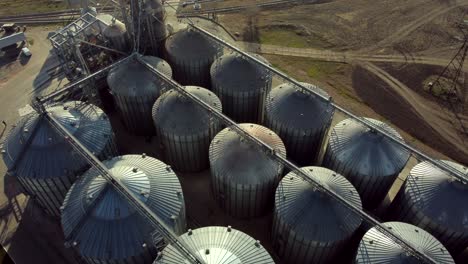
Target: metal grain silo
[
  {"x": 375, "y": 247},
  {"x": 135, "y": 89},
  {"x": 243, "y": 177},
  {"x": 117, "y": 35},
  {"x": 242, "y": 86},
  {"x": 300, "y": 119},
  {"x": 308, "y": 225},
  {"x": 436, "y": 201},
  {"x": 103, "y": 227},
  {"x": 191, "y": 54},
  {"x": 370, "y": 161},
  {"x": 43, "y": 162},
  {"x": 218, "y": 245},
  {"x": 185, "y": 129},
  {"x": 154, "y": 17}
]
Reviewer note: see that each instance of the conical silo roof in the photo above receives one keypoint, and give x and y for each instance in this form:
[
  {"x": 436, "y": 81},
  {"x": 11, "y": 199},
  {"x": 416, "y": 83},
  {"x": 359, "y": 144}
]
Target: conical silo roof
[
  {"x": 295, "y": 108},
  {"x": 237, "y": 74},
  {"x": 190, "y": 45},
  {"x": 239, "y": 161},
  {"x": 218, "y": 245},
  {"x": 376, "y": 247},
  {"x": 173, "y": 113},
  {"x": 313, "y": 215},
  {"x": 368, "y": 152},
  {"x": 133, "y": 79},
  {"x": 367, "y": 158},
  {"x": 47, "y": 154},
  {"x": 439, "y": 195},
  {"x": 433, "y": 195},
  {"x": 104, "y": 226}
]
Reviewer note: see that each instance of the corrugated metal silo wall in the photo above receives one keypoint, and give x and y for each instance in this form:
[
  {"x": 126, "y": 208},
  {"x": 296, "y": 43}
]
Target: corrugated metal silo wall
[
  {"x": 403, "y": 209},
  {"x": 136, "y": 113},
  {"x": 303, "y": 146},
  {"x": 292, "y": 249},
  {"x": 243, "y": 201},
  {"x": 146, "y": 257},
  {"x": 50, "y": 192},
  {"x": 191, "y": 72},
  {"x": 243, "y": 107},
  {"x": 372, "y": 189},
  {"x": 188, "y": 153}
]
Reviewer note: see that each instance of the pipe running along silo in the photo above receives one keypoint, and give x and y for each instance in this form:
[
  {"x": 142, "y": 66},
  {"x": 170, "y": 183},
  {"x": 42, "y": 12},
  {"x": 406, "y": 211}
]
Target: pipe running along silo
[
  {"x": 376, "y": 247},
  {"x": 191, "y": 54},
  {"x": 103, "y": 227},
  {"x": 44, "y": 162},
  {"x": 218, "y": 245},
  {"x": 185, "y": 129},
  {"x": 242, "y": 86},
  {"x": 154, "y": 26},
  {"x": 243, "y": 177},
  {"x": 310, "y": 226},
  {"x": 135, "y": 89},
  {"x": 436, "y": 201},
  {"x": 300, "y": 118},
  {"x": 369, "y": 160}
]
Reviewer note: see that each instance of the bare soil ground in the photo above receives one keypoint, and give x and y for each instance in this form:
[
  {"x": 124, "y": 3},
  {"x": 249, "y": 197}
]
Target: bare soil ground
[
  {"x": 16, "y": 7},
  {"x": 363, "y": 97},
  {"x": 393, "y": 27},
  {"x": 356, "y": 24}
]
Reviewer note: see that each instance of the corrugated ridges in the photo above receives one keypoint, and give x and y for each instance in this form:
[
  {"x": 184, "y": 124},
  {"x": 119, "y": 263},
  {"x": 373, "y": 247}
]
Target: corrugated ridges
[
  {"x": 367, "y": 159},
  {"x": 191, "y": 54},
  {"x": 232, "y": 73},
  {"x": 108, "y": 234},
  {"x": 191, "y": 45},
  {"x": 225, "y": 245},
  {"x": 235, "y": 160},
  {"x": 375, "y": 247},
  {"x": 48, "y": 155},
  {"x": 244, "y": 177},
  {"x": 313, "y": 215},
  {"x": 135, "y": 89},
  {"x": 173, "y": 113},
  {"x": 242, "y": 86},
  {"x": 302, "y": 120},
  {"x": 133, "y": 79},
  {"x": 185, "y": 129},
  {"x": 309, "y": 226},
  {"x": 434, "y": 200}
]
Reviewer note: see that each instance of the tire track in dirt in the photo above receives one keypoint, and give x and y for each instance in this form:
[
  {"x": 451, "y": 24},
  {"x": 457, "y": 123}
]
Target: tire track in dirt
[
  {"x": 433, "y": 114},
  {"x": 409, "y": 28}
]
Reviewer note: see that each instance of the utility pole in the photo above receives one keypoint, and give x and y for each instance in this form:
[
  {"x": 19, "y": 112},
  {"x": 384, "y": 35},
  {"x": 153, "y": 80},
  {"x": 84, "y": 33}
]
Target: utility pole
[{"x": 450, "y": 83}]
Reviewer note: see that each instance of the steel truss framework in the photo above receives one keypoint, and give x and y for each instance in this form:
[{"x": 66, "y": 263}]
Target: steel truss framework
[{"x": 166, "y": 232}]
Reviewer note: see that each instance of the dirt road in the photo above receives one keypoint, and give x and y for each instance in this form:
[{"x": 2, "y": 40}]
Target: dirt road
[
  {"x": 406, "y": 30},
  {"x": 444, "y": 123},
  {"x": 343, "y": 57}
]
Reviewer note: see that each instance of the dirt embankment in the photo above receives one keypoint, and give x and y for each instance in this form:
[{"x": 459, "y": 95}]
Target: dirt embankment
[{"x": 378, "y": 95}]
